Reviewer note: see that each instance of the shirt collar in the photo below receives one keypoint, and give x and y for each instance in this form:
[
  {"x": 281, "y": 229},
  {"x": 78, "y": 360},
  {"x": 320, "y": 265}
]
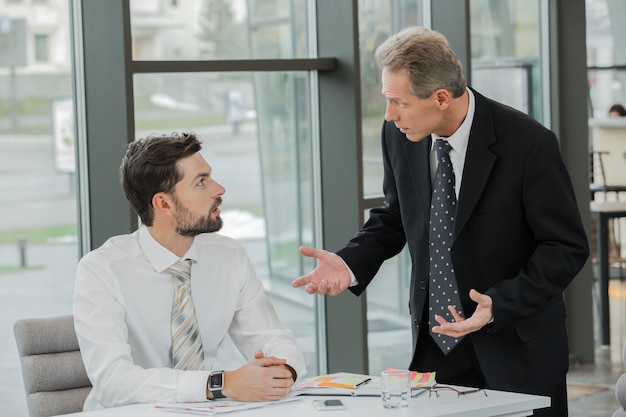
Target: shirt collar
[{"x": 159, "y": 256}]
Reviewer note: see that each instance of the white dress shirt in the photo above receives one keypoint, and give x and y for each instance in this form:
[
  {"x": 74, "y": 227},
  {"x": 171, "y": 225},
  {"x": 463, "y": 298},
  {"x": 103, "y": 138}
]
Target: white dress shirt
[
  {"x": 122, "y": 307},
  {"x": 458, "y": 141}
]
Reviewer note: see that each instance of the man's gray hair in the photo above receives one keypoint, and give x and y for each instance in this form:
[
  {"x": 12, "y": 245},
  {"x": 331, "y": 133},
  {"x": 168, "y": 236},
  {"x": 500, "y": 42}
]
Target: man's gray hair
[{"x": 427, "y": 57}]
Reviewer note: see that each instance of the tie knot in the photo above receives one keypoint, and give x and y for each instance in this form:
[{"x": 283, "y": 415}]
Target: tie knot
[
  {"x": 442, "y": 147},
  {"x": 181, "y": 270}
]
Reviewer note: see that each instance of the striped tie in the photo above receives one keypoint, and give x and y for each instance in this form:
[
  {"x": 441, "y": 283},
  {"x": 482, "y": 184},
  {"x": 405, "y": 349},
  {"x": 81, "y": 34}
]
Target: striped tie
[{"x": 187, "y": 350}]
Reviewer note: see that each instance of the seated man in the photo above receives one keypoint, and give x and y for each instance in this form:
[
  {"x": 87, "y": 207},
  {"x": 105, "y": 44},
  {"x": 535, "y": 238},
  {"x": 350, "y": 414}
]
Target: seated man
[{"x": 151, "y": 333}]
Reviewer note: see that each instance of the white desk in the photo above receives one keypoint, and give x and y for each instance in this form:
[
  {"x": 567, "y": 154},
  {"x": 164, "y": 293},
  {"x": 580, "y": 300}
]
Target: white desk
[{"x": 497, "y": 403}]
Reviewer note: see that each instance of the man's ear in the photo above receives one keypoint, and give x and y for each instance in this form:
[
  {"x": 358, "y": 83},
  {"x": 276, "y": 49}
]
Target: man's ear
[
  {"x": 443, "y": 97},
  {"x": 162, "y": 203}
]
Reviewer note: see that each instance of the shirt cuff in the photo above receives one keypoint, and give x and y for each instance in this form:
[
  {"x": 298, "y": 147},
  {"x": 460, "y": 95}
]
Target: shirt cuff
[
  {"x": 353, "y": 280},
  {"x": 192, "y": 386}
]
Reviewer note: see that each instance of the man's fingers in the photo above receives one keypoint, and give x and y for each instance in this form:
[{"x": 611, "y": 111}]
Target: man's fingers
[
  {"x": 480, "y": 298},
  {"x": 457, "y": 317},
  {"x": 335, "y": 289},
  {"x": 322, "y": 288},
  {"x": 476, "y": 296},
  {"x": 326, "y": 277},
  {"x": 271, "y": 361},
  {"x": 308, "y": 278},
  {"x": 301, "y": 281},
  {"x": 308, "y": 251},
  {"x": 312, "y": 289}
]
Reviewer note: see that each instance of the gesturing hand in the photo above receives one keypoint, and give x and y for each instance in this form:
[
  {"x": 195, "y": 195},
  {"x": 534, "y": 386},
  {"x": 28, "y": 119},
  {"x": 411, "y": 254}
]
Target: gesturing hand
[
  {"x": 330, "y": 276},
  {"x": 461, "y": 326}
]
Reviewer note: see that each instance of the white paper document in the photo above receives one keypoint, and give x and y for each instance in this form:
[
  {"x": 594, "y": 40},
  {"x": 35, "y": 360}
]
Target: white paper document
[{"x": 212, "y": 408}]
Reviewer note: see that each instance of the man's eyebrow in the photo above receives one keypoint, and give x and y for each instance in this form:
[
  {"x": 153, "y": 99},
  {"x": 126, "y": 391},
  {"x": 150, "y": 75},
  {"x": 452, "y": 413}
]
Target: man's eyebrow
[
  {"x": 202, "y": 175},
  {"x": 392, "y": 97}
]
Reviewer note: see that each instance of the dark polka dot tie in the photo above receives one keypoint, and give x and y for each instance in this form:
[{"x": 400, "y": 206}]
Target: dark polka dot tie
[{"x": 443, "y": 290}]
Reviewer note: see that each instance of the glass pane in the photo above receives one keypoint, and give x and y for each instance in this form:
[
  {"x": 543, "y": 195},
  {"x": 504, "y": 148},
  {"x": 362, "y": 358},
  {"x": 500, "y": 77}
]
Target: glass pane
[
  {"x": 378, "y": 19},
  {"x": 389, "y": 334},
  {"x": 605, "y": 30},
  {"x": 38, "y": 226},
  {"x": 389, "y": 337},
  {"x": 218, "y": 29},
  {"x": 256, "y": 130},
  {"x": 506, "y": 53}
]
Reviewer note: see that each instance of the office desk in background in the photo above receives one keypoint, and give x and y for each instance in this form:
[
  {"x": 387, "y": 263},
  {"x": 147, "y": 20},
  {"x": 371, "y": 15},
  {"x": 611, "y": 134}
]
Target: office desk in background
[
  {"x": 602, "y": 212},
  {"x": 496, "y": 403}
]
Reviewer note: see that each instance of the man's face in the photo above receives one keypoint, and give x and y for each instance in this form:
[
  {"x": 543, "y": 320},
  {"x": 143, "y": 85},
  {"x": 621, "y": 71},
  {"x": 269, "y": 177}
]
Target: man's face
[
  {"x": 416, "y": 118},
  {"x": 197, "y": 198}
]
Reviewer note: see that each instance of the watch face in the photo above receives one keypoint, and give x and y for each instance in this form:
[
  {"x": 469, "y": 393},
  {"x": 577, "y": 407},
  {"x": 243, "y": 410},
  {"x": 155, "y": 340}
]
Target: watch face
[{"x": 216, "y": 381}]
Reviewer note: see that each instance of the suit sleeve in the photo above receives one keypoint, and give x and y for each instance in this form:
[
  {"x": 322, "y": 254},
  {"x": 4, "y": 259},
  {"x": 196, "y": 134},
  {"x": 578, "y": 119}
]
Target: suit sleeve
[{"x": 382, "y": 236}]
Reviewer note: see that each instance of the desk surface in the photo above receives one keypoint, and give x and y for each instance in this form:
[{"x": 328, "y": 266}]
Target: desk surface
[{"x": 496, "y": 403}]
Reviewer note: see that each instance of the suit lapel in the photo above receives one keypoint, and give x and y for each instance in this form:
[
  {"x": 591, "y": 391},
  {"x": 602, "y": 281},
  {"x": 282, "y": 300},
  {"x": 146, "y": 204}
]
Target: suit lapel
[
  {"x": 479, "y": 161},
  {"x": 419, "y": 165}
]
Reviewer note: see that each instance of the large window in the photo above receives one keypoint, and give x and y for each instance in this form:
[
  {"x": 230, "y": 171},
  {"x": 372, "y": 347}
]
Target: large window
[
  {"x": 388, "y": 322},
  {"x": 257, "y": 138},
  {"x": 219, "y": 30},
  {"x": 38, "y": 226},
  {"x": 256, "y": 129},
  {"x": 506, "y": 52},
  {"x": 378, "y": 19},
  {"x": 606, "y": 55}
]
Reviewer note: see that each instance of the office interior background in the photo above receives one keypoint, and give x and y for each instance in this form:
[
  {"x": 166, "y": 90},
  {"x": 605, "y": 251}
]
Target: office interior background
[{"x": 286, "y": 98}]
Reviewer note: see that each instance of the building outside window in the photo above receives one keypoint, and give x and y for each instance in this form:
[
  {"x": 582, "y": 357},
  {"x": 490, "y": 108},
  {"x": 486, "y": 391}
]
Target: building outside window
[{"x": 42, "y": 53}]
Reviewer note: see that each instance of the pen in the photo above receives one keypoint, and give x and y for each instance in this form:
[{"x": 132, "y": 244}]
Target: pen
[{"x": 360, "y": 384}]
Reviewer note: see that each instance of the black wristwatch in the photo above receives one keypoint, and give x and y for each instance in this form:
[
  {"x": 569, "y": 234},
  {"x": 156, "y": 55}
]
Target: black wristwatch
[{"x": 216, "y": 384}]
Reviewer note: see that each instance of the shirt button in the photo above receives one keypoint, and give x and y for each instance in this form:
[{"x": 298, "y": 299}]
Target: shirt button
[{"x": 422, "y": 285}]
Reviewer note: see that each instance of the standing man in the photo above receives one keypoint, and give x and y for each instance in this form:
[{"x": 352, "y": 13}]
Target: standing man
[
  {"x": 506, "y": 237},
  {"x": 151, "y": 308}
]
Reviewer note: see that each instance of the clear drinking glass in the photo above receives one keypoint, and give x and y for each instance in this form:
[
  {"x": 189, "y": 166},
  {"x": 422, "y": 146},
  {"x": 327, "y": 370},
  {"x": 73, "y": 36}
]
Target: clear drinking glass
[{"x": 395, "y": 388}]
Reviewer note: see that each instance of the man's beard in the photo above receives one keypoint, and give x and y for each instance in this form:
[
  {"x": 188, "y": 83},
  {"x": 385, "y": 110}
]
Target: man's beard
[{"x": 188, "y": 225}]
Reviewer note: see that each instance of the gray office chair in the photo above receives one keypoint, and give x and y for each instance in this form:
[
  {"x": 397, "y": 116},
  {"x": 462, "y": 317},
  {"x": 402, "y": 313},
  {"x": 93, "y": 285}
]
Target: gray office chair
[{"x": 53, "y": 371}]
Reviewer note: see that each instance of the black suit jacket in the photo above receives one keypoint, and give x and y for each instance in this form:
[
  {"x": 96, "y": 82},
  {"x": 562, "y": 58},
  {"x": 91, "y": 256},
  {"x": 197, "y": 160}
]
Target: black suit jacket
[{"x": 518, "y": 237}]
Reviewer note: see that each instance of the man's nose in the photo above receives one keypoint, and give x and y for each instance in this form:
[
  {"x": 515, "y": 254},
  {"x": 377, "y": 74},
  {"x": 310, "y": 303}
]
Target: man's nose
[
  {"x": 220, "y": 190},
  {"x": 390, "y": 116}
]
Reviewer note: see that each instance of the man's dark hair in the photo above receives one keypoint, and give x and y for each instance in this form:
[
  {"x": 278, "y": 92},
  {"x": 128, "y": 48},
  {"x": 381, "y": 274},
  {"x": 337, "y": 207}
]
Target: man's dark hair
[
  {"x": 619, "y": 109},
  {"x": 150, "y": 166}
]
